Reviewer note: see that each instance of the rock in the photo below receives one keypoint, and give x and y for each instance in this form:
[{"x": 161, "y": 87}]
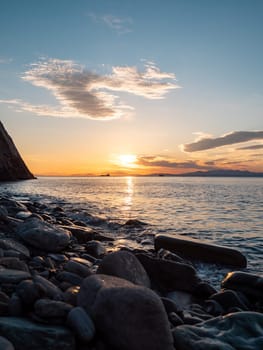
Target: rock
[
  {"x": 251, "y": 285},
  {"x": 175, "y": 319},
  {"x": 83, "y": 261},
  {"x": 14, "y": 264},
  {"x": 27, "y": 335},
  {"x": 70, "y": 295},
  {"x": 23, "y": 215},
  {"x": 199, "y": 250},
  {"x": 3, "y": 213},
  {"x": 15, "y": 307},
  {"x": 129, "y": 317},
  {"x": 168, "y": 275},
  {"x": 13, "y": 276},
  {"x": 51, "y": 290},
  {"x": 12, "y": 166},
  {"x": 241, "y": 330},
  {"x": 183, "y": 300},
  {"x": 95, "y": 248},
  {"x": 46, "y": 308},
  {"x": 5, "y": 344},
  {"x": 125, "y": 265},
  {"x": 60, "y": 258},
  {"x": 228, "y": 299},
  {"x": 203, "y": 290},
  {"x": 81, "y": 324},
  {"x": 72, "y": 278},
  {"x": 29, "y": 291},
  {"x": 77, "y": 268},
  {"x": 43, "y": 235},
  {"x": 10, "y": 244},
  {"x": 134, "y": 223},
  {"x": 83, "y": 235}
]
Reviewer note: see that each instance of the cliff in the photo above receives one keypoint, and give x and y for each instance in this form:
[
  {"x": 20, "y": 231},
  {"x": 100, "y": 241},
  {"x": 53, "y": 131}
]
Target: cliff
[{"x": 12, "y": 166}]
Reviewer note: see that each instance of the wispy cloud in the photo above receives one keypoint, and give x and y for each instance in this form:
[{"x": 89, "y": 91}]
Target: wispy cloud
[
  {"x": 121, "y": 25},
  {"x": 164, "y": 162},
  {"x": 228, "y": 139},
  {"x": 85, "y": 94},
  {"x": 253, "y": 147}
]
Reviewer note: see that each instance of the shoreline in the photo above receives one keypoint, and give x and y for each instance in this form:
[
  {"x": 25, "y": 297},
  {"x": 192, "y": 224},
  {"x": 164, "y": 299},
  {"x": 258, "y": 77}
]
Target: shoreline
[{"x": 53, "y": 266}]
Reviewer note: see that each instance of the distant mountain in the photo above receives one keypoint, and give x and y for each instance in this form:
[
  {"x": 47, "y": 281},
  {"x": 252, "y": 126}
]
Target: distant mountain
[
  {"x": 12, "y": 166},
  {"x": 219, "y": 173}
]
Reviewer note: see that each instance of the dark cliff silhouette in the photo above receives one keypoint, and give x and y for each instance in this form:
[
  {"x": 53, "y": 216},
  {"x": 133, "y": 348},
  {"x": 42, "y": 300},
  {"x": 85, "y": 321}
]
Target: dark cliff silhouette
[{"x": 12, "y": 166}]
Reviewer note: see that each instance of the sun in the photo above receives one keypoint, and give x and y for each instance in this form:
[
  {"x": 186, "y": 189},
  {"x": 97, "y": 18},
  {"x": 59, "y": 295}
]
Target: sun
[{"x": 127, "y": 160}]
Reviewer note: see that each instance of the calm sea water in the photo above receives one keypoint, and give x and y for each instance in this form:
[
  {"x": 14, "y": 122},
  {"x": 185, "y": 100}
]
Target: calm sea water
[{"x": 225, "y": 211}]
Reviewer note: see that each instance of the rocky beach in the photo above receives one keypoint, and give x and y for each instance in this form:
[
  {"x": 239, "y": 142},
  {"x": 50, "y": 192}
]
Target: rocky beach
[{"x": 66, "y": 284}]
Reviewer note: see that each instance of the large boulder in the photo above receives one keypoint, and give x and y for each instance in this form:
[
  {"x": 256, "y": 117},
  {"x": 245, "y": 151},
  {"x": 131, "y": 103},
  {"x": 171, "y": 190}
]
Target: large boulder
[
  {"x": 125, "y": 265},
  {"x": 43, "y": 235},
  {"x": 167, "y": 275},
  {"x": 128, "y": 317},
  {"x": 26, "y": 335},
  {"x": 237, "y": 331},
  {"x": 199, "y": 250},
  {"x": 12, "y": 166}
]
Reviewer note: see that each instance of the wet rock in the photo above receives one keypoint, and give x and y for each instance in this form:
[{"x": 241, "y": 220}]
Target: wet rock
[
  {"x": 175, "y": 319},
  {"x": 23, "y": 215},
  {"x": 13, "y": 276},
  {"x": 27, "y": 335},
  {"x": 213, "y": 307},
  {"x": 59, "y": 258},
  {"x": 168, "y": 275},
  {"x": 10, "y": 244},
  {"x": 134, "y": 223},
  {"x": 83, "y": 235},
  {"x": 51, "y": 290},
  {"x": 72, "y": 278},
  {"x": 70, "y": 295},
  {"x": 83, "y": 261},
  {"x": 204, "y": 290},
  {"x": 3, "y": 213},
  {"x": 242, "y": 330},
  {"x": 77, "y": 268},
  {"x": 14, "y": 264},
  {"x": 95, "y": 248},
  {"x": 170, "y": 305},
  {"x": 228, "y": 299},
  {"x": 5, "y": 344},
  {"x": 43, "y": 235},
  {"x": 29, "y": 291},
  {"x": 198, "y": 250},
  {"x": 81, "y": 324},
  {"x": 15, "y": 307},
  {"x": 135, "y": 317},
  {"x": 125, "y": 265},
  {"x": 46, "y": 308},
  {"x": 251, "y": 285}
]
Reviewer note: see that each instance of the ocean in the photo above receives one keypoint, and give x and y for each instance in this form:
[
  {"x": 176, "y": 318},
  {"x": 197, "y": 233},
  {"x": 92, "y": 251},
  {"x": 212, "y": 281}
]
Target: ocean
[{"x": 224, "y": 211}]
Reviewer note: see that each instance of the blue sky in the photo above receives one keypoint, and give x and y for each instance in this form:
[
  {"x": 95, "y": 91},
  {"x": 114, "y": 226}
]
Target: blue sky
[{"x": 149, "y": 76}]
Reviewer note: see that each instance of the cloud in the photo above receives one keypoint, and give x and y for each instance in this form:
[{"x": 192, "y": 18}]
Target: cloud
[
  {"x": 121, "y": 25},
  {"x": 251, "y": 147},
  {"x": 162, "y": 162},
  {"x": 228, "y": 139},
  {"x": 85, "y": 94}
]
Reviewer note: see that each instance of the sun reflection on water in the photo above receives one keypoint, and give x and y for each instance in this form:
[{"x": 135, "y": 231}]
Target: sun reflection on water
[{"x": 128, "y": 197}]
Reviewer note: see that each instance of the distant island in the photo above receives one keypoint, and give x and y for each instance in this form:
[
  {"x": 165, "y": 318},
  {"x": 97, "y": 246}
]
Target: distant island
[{"x": 216, "y": 173}]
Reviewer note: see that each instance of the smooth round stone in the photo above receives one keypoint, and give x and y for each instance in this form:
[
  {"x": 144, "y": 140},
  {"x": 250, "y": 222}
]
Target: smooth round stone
[
  {"x": 200, "y": 250},
  {"x": 13, "y": 276},
  {"x": 51, "y": 290},
  {"x": 47, "y": 308},
  {"x": 81, "y": 324},
  {"x": 241, "y": 330},
  {"x": 251, "y": 285},
  {"x": 14, "y": 264},
  {"x": 72, "y": 278},
  {"x": 77, "y": 268},
  {"x": 95, "y": 248},
  {"x": 10, "y": 244},
  {"x": 228, "y": 299},
  {"x": 70, "y": 295},
  {"x": 15, "y": 306},
  {"x": 43, "y": 235},
  {"x": 29, "y": 292},
  {"x": 128, "y": 316},
  {"x": 27, "y": 335},
  {"x": 5, "y": 344},
  {"x": 23, "y": 215},
  {"x": 124, "y": 265}
]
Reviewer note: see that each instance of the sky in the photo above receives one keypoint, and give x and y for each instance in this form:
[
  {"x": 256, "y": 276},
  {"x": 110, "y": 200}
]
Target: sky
[{"x": 133, "y": 87}]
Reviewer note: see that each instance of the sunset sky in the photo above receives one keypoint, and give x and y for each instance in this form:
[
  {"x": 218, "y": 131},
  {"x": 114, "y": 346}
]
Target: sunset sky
[{"x": 133, "y": 87}]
